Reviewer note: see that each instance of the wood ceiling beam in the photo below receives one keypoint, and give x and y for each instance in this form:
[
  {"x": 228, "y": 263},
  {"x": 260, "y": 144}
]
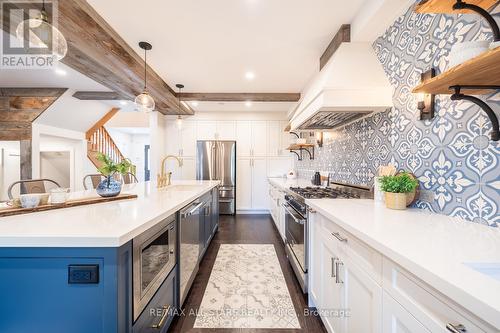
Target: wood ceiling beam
[
  {"x": 240, "y": 97},
  {"x": 98, "y": 96},
  {"x": 342, "y": 36},
  {"x": 97, "y": 51},
  {"x": 19, "y": 107}
]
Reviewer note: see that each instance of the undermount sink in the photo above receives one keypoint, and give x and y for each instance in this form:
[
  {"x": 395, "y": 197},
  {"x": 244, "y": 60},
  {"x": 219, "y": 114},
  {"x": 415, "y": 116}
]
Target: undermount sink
[
  {"x": 182, "y": 187},
  {"x": 489, "y": 269}
]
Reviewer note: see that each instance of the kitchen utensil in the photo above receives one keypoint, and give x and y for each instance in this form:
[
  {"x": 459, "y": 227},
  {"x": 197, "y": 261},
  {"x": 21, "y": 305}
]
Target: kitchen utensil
[
  {"x": 29, "y": 200},
  {"x": 59, "y": 196}
]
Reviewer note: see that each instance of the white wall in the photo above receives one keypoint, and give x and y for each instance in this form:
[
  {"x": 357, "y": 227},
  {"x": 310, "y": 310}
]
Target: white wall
[
  {"x": 10, "y": 170},
  {"x": 56, "y": 165},
  {"x": 132, "y": 146},
  {"x": 48, "y": 138}
]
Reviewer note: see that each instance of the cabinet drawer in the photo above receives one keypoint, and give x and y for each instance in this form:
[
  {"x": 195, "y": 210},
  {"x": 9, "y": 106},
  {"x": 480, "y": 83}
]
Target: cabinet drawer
[
  {"x": 160, "y": 310},
  {"x": 427, "y": 305},
  {"x": 361, "y": 254}
]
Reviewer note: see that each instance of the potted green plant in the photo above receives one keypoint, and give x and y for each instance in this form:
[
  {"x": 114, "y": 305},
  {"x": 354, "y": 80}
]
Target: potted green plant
[
  {"x": 396, "y": 189},
  {"x": 109, "y": 186}
]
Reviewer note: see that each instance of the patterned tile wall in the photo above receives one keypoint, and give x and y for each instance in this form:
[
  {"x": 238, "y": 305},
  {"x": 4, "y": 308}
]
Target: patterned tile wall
[{"x": 450, "y": 154}]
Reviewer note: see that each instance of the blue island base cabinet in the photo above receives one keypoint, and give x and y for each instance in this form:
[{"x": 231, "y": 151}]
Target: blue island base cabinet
[{"x": 72, "y": 290}]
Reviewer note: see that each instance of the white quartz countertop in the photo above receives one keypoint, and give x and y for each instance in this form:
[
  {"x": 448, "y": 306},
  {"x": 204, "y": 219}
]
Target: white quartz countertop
[
  {"x": 434, "y": 247},
  {"x": 109, "y": 224}
]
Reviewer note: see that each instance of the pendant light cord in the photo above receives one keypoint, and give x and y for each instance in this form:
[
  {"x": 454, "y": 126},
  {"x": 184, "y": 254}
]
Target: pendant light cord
[{"x": 145, "y": 64}]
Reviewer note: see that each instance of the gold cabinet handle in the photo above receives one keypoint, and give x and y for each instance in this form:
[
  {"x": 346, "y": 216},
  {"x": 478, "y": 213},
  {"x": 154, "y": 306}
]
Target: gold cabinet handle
[{"x": 166, "y": 310}]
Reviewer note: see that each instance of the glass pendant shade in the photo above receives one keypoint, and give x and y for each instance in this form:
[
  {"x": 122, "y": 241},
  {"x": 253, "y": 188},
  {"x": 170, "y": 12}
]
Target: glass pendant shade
[
  {"x": 145, "y": 102},
  {"x": 179, "y": 122},
  {"x": 42, "y": 38}
]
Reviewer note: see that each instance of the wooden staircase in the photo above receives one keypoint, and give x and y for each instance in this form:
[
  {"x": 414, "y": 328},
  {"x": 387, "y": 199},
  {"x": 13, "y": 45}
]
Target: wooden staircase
[{"x": 99, "y": 141}]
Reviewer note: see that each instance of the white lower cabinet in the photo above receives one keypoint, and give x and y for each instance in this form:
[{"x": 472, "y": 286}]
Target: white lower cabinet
[
  {"x": 397, "y": 319},
  {"x": 276, "y": 199},
  {"x": 361, "y": 296},
  {"x": 251, "y": 184},
  {"x": 341, "y": 277}
]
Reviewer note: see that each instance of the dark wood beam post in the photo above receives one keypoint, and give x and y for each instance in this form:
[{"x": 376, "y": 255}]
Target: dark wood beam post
[{"x": 26, "y": 159}]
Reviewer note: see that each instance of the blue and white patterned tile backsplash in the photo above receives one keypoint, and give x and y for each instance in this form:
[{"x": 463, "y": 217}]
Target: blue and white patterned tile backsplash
[{"x": 451, "y": 154}]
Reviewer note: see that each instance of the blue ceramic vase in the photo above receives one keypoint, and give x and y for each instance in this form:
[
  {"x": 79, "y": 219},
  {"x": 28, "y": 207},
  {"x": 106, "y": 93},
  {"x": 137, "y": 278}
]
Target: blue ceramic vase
[{"x": 109, "y": 187}]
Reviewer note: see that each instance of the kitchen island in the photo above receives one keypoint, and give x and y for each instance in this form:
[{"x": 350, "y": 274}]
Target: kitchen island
[{"x": 78, "y": 269}]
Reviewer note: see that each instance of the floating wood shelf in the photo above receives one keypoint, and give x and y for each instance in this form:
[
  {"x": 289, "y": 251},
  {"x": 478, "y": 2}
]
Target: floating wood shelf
[
  {"x": 308, "y": 147},
  {"x": 483, "y": 70},
  {"x": 303, "y": 146},
  {"x": 446, "y": 6}
]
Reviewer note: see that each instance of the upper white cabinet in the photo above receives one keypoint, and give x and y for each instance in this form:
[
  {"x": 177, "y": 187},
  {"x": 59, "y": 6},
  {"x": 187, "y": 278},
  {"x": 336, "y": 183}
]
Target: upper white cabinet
[
  {"x": 188, "y": 139},
  {"x": 209, "y": 130},
  {"x": 252, "y": 138},
  {"x": 279, "y": 140},
  {"x": 206, "y": 130},
  {"x": 226, "y": 130}
]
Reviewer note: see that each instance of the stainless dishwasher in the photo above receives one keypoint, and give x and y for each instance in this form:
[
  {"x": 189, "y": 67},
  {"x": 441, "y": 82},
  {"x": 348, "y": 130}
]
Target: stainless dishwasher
[{"x": 189, "y": 249}]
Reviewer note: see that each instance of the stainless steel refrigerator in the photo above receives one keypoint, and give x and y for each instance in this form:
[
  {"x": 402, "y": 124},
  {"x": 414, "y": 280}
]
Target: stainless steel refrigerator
[{"x": 216, "y": 160}]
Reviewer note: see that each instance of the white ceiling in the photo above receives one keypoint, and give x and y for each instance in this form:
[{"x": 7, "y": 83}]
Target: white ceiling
[
  {"x": 241, "y": 107},
  {"x": 210, "y": 45}
]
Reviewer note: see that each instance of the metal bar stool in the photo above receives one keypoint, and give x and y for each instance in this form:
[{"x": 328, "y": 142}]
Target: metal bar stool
[{"x": 29, "y": 186}]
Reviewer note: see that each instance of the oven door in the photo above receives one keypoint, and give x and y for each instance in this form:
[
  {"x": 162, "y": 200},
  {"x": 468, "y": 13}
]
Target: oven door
[
  {"x": 295, "y": 235},
  {"x": 154, "y": 258}
]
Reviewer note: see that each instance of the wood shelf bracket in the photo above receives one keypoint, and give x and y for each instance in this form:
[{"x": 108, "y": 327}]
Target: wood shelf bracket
[
  {"x": 460, "y": 5},
  {"x": 458, "y": 95}
]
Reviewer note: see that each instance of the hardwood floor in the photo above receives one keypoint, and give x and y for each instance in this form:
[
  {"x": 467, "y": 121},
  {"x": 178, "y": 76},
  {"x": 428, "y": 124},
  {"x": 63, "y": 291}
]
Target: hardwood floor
[{"x": 244, "y": 229}]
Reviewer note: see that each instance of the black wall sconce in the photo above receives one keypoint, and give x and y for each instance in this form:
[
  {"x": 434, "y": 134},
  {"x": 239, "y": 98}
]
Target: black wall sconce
[{"x": 426, "y": 101}]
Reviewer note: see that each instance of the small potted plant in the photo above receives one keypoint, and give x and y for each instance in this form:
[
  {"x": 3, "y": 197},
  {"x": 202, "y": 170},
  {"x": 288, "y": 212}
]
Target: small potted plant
[
  {"x": 109, "y": 186},
  {"x": 396, "y": 189}
]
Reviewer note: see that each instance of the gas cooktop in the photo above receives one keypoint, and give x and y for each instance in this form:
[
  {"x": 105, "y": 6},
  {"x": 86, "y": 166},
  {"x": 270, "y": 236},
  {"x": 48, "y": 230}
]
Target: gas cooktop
[{"x": 341, "y": 191}]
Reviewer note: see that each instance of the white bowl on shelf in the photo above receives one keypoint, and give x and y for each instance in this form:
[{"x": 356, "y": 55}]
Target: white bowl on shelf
[{"x": 461, "y": 52}]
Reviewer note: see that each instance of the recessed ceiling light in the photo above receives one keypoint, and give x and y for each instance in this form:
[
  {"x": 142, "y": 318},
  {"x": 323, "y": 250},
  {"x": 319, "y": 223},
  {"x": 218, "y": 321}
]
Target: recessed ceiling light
[
  {"x": 248, "y": 104},
  {"x": 194, "y": 103},
  {"x": 249, "y": 75},
  {"x": 60, "y": 72},
  {"x": 123, "y": 102}
]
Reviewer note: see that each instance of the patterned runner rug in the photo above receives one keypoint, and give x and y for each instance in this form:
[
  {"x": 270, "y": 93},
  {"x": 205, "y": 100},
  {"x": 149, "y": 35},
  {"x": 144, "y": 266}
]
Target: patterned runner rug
[{"x": 246, "y": 289}]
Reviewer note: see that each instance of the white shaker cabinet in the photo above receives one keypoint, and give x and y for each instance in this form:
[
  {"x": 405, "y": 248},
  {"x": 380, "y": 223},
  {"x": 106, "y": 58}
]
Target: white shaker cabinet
[
  {"x": 226, "y": 130},
  {"x": 244, "y": 184},
  {"x": 339, "y": 288},
  {"x": 397, "y": 319},
  {"x": 188, "y": 139},
  {"x": 173, "y": 141},
  {"x": 259, "y": 184},
  {"x": 279, "y": 140},
  {"x": 362, "y": 296},
  {"x": 206, "y": 130},
  {"x": 252, "y": 138}
]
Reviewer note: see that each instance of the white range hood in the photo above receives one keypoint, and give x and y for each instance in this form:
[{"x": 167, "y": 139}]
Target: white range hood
[{"x": 350, "y": 86}]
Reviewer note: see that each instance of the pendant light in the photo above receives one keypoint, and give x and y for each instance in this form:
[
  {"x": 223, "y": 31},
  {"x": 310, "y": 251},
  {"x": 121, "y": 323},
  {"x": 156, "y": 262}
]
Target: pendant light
[
  {"x": 41, "y": 34},
  {"x": 144, "y": 101},
  {"x": 179, "y": 118}
]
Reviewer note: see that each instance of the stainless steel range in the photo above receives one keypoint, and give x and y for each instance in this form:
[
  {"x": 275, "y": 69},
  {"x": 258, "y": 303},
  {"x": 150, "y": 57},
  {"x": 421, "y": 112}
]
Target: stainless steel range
[{"x": 296, "y": 220}]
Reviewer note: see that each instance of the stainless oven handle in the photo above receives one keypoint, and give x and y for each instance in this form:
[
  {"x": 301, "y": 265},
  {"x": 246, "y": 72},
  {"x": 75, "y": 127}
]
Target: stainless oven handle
[
  {"x": 298, "y": 219},
  {"x": 192, "y": 211}
]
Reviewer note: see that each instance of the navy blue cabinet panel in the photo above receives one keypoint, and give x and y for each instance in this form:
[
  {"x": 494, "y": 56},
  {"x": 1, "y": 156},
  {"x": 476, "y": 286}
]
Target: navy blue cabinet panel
[
  {"x": 160, "y": 311},
  {"x": 36, "y": 294}
]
